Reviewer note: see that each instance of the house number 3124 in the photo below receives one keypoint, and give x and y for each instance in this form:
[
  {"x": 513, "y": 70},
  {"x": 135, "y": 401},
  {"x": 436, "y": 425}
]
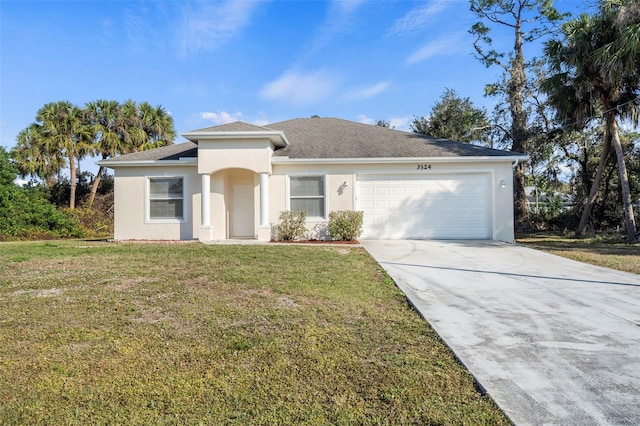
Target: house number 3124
[{"x": 424, "y": 166}]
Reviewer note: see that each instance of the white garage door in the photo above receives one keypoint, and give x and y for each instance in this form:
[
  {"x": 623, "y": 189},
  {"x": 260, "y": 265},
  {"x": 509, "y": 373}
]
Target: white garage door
[{"x": 425, "y": 207}]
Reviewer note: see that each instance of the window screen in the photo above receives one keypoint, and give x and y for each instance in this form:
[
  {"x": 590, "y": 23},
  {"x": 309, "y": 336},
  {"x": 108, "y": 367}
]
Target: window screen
[
  {"x": 307, "y": 194},
  {"x": 165, "y": 198}
]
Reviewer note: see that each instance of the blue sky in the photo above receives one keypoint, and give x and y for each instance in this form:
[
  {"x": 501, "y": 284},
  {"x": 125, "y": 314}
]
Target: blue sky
[{"x": 261, "y": 62}]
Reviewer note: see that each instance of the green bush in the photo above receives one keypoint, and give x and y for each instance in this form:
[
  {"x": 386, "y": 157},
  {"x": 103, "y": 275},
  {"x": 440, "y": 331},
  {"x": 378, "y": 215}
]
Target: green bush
[
  {"x": 345, "y": 225},
  {"x": 291, "y": 225},
  {"x": 26, "y": 214},
  {"x": 96, "y": 220}
]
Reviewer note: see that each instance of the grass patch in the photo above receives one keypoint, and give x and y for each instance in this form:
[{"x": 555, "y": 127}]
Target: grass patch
[
  {"x": 608, "y": 251},
  {"x": 97, "y": 333}
]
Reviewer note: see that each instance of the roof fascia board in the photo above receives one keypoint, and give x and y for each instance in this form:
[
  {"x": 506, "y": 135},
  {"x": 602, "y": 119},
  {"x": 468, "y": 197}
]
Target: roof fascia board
[
  {"x": 398, "y": 160},
  {"x": 274, "y": 136},
  {"x": 185, "y": 161},
  {"x": 286, "y": 160}
]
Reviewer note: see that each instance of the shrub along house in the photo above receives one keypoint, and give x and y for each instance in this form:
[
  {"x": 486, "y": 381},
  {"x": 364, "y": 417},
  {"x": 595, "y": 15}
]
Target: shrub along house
[{"x": 232, "y": 181}]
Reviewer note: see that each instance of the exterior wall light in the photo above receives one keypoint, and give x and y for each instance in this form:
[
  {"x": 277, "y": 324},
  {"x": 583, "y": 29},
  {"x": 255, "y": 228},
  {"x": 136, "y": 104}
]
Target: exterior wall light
[
  {"x": 342, "y": 187},
  {"x": 503, "y": 184}
]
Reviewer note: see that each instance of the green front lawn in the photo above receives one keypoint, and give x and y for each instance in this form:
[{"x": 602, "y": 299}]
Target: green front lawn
[
  {"x": 610, "y": 252},
  {"x": 96, "y": 333}
]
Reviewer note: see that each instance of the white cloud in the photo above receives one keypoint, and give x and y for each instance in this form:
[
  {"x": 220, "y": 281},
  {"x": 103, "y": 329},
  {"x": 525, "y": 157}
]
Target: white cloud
[
  {"x": 221, "y": 117},
  {"x": 368, "y": 92},
  {"x": 301, "y": 89},
  {"x": 365, "y": 120},
  {"x": 443, "y": 46},
  {"x": 416, "y": 19},
  {"x": 400, "y": 123},
  {"x": 397, "y": 123},
  {"x": 208, "y": 25}
]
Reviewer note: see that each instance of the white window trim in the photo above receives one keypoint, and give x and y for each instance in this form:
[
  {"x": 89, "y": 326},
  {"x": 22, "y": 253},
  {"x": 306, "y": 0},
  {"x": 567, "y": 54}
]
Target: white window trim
[
  {"x": 324, "y": 177},
  {"x": 147, "y": 198}
]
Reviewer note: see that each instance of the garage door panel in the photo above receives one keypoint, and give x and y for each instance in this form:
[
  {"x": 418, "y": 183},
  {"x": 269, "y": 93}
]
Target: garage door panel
[
  {"x": 367, "y": 190},
  {"x": 438, "y": 206}
]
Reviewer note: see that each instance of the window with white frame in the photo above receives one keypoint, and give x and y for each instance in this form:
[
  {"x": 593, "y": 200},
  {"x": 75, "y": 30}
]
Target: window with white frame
[
  {"x": 307, "y": 195},
  {"x": 166, "y": 198}
]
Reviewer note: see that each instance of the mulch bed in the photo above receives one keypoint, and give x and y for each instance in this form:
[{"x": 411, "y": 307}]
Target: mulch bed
[{"x": 317, "y": 242}]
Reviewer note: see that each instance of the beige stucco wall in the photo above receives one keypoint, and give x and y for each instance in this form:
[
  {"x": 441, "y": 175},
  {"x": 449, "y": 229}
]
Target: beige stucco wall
[
  {"x": 130, "y": 204},
  {"x": 341, "y": 198},
  {"x": 249, "y": 154},
  {"x": 340, "y": 187},
  {"x": 338, "y": 196}
]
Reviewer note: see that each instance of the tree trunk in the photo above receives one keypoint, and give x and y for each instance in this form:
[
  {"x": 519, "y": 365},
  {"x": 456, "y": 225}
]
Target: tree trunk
[
  {"x": 610, "y": 171},
  {"x": 629, "y": 218},
  {"x": 584, "y": 164},
  {"x": 72, "y": 182},
  {"x": 593, "y": 193},
  {"x": 94, "y": 186},
  {"x": 520, "y": 207},
  {"x": 515, "y": 86}
]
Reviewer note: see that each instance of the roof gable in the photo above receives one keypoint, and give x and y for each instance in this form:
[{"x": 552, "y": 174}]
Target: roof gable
[{"x": 236, "y": 126}]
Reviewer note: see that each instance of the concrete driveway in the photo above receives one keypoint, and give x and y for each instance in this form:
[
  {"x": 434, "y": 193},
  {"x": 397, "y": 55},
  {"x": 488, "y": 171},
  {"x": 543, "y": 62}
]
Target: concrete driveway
[{"x": 553, "y": 341}]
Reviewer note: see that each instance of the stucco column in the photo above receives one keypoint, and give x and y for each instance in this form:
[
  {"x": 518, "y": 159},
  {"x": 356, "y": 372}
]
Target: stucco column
[
  {"x": 264, "y": 230},
  {"x": 206, "y": 230}
]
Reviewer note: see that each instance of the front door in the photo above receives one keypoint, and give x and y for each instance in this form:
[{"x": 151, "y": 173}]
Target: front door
[{"x": 242, "y": 215}]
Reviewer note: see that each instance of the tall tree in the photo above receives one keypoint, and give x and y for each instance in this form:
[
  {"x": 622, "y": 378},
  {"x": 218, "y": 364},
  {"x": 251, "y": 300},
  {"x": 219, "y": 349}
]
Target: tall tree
[
  {"x": 8, "y": 169},
  {"x": 456, "y": 118},
  {"x": 62, "y": 130},
  {"x": 103, "y": 128},
  {"x": 599, "y": 59},
  {"x": 111, "y": 128},
  {"x": 34, "y": 158},
  {"x": 528, "y": 20},
  {"x": 125, "y": 128},
  {"x": 157, "y": 125}
]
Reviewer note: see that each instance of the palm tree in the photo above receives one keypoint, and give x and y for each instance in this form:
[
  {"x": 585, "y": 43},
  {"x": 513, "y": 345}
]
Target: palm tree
[
  {"x": 34, "y": 159},
  {"x": 157, "y": 125},
  {"x": 109, "y": 127},
  {"x": 135, "y": 136},
  {"x": 63, "y": 131},
  {"x": 619, "y": 61},
  {"x": 125, "y": 128},
  {"x": 575, "y": 109},
  {"x": 597, "y": 61}
]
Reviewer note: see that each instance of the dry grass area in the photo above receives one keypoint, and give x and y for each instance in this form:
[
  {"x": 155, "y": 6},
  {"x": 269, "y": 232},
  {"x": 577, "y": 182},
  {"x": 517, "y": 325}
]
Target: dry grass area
[
  {"x": 103, "y": 333},
  {"x": 610, "y": 252}
]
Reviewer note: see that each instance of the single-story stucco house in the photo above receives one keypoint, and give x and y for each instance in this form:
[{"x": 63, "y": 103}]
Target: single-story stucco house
[{"x": 232, "y": 181}]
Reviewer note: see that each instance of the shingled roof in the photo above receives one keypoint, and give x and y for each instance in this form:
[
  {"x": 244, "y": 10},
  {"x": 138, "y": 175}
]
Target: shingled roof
[
  {"x": 169, "y": 152},
  {"x": 337, "y": 138},
  {"x": 327, "y": 138}
]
